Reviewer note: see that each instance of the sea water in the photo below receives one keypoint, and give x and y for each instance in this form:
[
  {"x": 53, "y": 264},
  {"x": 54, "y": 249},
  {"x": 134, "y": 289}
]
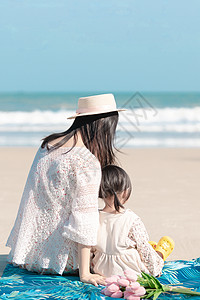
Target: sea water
[{"x": 163, "y": 119}]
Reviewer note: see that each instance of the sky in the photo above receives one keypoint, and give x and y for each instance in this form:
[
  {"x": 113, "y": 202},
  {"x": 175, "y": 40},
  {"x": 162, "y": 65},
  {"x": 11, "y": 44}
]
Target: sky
[{"x": 104, "y": 45}]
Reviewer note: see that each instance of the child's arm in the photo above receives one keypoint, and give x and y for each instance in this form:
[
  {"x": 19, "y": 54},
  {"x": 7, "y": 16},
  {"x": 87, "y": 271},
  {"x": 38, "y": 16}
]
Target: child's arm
[
  {"x": 152, "y": 260},
  {"x": 84, "y": 267}
]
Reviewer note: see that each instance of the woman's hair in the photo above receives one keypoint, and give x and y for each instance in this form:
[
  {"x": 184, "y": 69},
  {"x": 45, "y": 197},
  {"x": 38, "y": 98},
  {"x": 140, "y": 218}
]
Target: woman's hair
[
  {"x": 114, "y": 180},
  {"x": 97, "y": 132}
]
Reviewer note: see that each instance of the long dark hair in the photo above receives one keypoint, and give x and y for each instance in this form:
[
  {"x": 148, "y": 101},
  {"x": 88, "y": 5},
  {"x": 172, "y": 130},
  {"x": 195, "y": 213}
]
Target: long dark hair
[
  {"x": 97, "y": 132},
  {"x": 114, "y": 180}
]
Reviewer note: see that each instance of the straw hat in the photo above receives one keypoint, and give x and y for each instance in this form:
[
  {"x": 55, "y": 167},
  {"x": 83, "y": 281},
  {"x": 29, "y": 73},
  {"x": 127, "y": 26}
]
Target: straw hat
[{"x": 96, "y": 104}]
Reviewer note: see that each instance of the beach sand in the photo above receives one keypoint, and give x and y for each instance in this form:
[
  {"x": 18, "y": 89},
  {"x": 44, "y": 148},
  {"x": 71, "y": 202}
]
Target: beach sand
[{"x": 166, "y": 193}]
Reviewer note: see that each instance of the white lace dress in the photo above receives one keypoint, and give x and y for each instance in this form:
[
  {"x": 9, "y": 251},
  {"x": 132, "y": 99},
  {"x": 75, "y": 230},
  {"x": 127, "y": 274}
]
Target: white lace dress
[
  {"x": 59, "y": 208},
  {"x": 123, "y": 244}
]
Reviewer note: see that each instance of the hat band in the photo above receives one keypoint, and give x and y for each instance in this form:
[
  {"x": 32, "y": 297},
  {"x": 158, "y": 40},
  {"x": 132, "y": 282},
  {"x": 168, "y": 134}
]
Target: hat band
[{"x": 95, "y": 109}]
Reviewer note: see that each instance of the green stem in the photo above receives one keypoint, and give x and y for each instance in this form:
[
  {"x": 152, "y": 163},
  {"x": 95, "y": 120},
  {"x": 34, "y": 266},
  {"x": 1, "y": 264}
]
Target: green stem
[{"x": 167, "y": 288}]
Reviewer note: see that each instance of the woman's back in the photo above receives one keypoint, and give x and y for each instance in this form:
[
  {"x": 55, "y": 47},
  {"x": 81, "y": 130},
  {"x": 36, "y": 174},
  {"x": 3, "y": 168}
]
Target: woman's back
[{"x": 56, "y": 184}]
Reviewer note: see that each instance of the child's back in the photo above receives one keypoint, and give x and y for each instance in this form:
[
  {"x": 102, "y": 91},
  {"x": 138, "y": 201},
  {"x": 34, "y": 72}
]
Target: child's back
[{"x": 123, "y": 244}]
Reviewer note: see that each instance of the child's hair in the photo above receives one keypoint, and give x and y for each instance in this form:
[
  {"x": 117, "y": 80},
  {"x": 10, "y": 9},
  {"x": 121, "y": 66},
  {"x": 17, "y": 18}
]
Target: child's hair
[{"x": 114, "y": 180}]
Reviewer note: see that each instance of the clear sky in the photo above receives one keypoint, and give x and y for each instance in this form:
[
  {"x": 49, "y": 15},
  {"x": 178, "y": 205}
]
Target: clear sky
[{"x": 99, "y": 45}]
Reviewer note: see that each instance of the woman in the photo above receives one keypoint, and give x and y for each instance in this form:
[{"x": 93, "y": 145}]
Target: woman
[{"x": 57, "y": 221}]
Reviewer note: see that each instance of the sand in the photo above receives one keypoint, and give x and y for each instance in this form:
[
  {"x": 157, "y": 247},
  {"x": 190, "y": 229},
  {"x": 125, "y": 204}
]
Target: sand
[{"x": 166, "y": 193}]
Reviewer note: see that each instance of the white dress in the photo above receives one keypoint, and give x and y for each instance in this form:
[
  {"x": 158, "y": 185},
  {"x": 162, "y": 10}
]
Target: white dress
[
  {"x": 122, "y": 244},
  {"x": 59, "y": 208}
]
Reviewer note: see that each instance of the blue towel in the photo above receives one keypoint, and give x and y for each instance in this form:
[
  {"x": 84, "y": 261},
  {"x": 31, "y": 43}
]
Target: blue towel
[{"x": 20, "y": 284}]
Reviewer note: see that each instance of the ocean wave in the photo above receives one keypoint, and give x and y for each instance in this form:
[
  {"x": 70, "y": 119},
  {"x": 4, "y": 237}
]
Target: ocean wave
[
  {"x": 34, "y": 117},
  {"x": 162, "y": 115},
  {"x": 164, "y": 142},
  {"x": 179, "y": 128},
  {"x": 36, "y": 139},
  {"x": 161, "y": 120},
  {"x": 147, "y": 115},
  {"x": 163, "y": 127}
]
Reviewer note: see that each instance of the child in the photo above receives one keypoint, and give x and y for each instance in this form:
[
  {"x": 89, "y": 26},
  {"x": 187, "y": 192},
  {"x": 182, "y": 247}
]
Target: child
[{"x": 123, "y": 242}]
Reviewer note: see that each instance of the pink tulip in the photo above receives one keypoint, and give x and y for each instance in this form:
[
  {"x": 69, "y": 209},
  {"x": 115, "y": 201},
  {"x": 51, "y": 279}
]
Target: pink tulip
[
  {"x": 116, "y": 277},
  {"x": 122, "y": 277},
  {"x": 106, "y": 292},
  {"x": 117, "y": 294},
  {"x": 102, "y": 291},
  {"x": 130, "y": 275},
  {"x": 140, "y": 291},
  {"x": 123, "y": 282},
  {"x": 112, "y": 279},
  {"x": 132, "y": 297},
  {"x": 132, "y": 287},
  {"x": 113, "y": 287},
  {"x": 127, "y": 294}
]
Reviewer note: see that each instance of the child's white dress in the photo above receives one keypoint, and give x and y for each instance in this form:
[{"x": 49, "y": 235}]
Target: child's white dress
[
  {"x": 59, "y": 208},
  {"x": 122, "y": 244}
]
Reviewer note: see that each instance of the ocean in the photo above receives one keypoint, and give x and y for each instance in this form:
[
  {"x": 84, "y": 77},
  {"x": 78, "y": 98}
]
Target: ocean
[{"x": 162, "y": 119}]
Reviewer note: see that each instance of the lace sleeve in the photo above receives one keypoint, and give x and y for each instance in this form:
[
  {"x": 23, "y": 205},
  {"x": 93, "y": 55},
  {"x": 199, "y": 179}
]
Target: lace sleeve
[
  {"x": 82, "y": 225},
  {"x": 148, "y": 255}
]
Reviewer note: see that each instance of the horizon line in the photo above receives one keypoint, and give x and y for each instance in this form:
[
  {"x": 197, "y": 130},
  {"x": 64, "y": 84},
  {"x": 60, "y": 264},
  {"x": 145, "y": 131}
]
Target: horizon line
[{"x": 84, "y": 91}]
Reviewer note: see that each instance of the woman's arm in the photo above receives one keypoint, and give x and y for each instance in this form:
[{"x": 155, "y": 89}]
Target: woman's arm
[
  {"x": 84, "y": 267},
  {"x": 82, "y": 225}
]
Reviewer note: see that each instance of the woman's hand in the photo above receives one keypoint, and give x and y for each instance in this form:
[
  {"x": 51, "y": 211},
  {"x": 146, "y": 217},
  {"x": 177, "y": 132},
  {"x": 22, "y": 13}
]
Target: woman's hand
[
  {"x": 84, "y": 267},
  {"x": 94, "y": 279}
]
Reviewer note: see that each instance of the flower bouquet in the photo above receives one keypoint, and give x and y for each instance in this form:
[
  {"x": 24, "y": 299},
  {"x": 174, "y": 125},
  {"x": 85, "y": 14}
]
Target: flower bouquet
[{"x": 133, "y": 287}]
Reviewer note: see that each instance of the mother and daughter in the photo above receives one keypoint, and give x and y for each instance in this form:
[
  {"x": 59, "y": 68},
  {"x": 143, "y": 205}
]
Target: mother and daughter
[{"x": 59, "y": 229}]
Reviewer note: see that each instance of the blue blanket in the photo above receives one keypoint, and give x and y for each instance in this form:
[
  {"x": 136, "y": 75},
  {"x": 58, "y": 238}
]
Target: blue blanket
[{"x": 20, "y": 284}]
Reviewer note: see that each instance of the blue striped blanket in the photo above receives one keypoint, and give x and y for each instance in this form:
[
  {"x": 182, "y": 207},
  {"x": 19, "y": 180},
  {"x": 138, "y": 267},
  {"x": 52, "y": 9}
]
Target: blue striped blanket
[{"x": 20, "y": 284}]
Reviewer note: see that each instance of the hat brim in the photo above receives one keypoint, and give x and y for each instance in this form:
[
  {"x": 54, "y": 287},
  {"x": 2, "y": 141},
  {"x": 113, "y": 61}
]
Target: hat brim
[{"x": 95, "y": 113}]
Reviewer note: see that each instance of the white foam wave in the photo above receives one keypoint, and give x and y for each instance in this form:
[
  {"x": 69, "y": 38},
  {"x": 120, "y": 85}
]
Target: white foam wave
[
  {"x": 163, "y": 120},
  {"x": 166, "y": 115},
  {"x": 173, "y": 127},
  {"x": 137, "y": 116},
  {"x": 34, "y": 117},
  {"x": 35, "y": 141},
  {"x": 167, "y": 142},
  {"x": 165, "y": 127},
  {"x": 179, "y": 128}
]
